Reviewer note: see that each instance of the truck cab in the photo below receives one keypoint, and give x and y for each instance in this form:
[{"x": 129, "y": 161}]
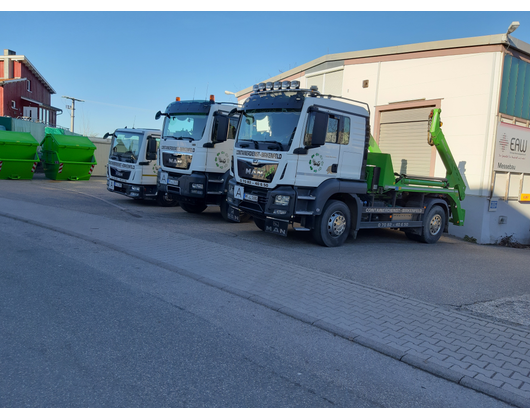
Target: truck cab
[
  {"x": 304, "y": 159},
  {"x": 195, "y": 153},
  {"x": 132, "y": 166}
]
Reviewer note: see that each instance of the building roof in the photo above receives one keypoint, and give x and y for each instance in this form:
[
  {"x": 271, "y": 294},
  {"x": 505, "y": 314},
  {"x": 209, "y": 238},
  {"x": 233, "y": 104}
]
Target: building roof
[
  {"x": 500, "y": 39},
  {"x": 23, "y": 59}
]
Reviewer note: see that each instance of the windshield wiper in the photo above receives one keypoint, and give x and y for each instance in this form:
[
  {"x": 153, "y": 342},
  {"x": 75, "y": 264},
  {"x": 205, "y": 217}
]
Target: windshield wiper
[
  {"x": 280, "y": 144},
  {"x": 256, "y": 143},
  {"x": 180, "y": 138}
]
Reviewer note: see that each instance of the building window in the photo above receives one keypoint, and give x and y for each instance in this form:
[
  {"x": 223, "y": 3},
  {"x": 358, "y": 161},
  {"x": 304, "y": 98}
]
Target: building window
[
  {"x": 13, "y": 105},
  {"x": 28, "y": 85}
]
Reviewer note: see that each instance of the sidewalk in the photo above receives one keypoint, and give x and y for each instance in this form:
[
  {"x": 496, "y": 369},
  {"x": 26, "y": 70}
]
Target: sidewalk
[{"x": 486, "y": 356}]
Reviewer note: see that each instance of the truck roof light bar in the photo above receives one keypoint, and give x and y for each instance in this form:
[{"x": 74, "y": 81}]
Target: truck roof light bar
[
  {"x": 261, "y": 86},
  {"x": 255, "y": 88},
  {"x": 277, "y": 85},
  {"x": 286, "y": 85},
  {"x": 295, "y": 84},
  {"x": 268, "y": 86}
]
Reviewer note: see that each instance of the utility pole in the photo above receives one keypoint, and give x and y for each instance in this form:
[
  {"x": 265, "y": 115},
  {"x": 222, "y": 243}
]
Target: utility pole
[{"x": 72, "y": 107}]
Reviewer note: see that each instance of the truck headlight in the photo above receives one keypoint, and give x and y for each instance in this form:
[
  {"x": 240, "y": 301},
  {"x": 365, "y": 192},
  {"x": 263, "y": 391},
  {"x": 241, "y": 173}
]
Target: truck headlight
[
  {"x": 197, "y": 186},
  {"x": 135, "y": 188},
  {"x": 282, "y": 200}
]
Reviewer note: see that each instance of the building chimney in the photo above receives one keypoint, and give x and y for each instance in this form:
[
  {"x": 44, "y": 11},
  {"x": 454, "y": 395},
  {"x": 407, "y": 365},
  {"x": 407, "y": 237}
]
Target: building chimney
[{"x": 8, "y": 64}]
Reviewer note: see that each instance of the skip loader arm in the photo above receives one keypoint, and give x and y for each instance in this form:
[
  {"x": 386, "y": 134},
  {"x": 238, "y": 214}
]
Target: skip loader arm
[{"x": 454, "y": 178}]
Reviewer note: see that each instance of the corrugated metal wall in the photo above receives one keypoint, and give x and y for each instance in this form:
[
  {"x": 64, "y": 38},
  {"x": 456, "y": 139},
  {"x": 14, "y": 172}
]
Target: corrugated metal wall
[{"x": 515, "y": 91}]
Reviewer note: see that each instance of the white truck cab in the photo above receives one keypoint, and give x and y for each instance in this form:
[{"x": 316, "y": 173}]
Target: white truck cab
[
  {"x": 132, "y": 167},
  {"x": 284, "y": 176},
  {"x": 195, "y": 153}
]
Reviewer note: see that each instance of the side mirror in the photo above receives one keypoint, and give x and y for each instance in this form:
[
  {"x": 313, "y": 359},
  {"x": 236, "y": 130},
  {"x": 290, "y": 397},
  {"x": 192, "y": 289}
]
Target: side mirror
[
  {"x": 106, "y": 135},
  {"x": 220, "y": 128},
  {"x": 151, "y": 148},
  {"x": 320, "y": 129},
  {"x": 158, "y": 115}
]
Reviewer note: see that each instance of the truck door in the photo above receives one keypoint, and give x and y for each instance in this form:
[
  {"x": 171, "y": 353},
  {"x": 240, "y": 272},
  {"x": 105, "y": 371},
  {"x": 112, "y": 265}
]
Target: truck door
[
  {"x": 320, "y": 161},
  {"x": 351, "y": 137}
]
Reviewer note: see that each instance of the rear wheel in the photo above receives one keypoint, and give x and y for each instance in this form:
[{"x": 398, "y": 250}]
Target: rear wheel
[
  {"x": 333, "y": 225},
  {"x": 193, "y": 208},
  {"x": 433, "y": 225}
]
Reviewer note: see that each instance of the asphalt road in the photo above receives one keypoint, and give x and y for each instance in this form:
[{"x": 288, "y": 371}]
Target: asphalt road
[{"x": 85, "y": 326}]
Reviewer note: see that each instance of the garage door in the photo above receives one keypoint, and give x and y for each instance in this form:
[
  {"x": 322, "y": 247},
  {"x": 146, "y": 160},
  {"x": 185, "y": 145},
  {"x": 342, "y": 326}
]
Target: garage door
[{"x": 403, "y": 133}]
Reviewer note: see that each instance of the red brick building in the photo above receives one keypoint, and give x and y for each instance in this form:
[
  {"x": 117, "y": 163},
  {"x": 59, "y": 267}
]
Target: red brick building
[{"x": 24, "y": 93}]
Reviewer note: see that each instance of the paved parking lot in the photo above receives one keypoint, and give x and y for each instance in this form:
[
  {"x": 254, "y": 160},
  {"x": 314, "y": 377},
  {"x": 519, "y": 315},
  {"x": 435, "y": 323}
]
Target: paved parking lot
[{"x": 427, "y": 305}]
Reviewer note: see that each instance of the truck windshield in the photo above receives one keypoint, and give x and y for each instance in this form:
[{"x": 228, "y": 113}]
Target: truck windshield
[
  {"x": 185, "y": 126},
  {"x": 270, "y": 128},
  {"x": 125, "y": 146}
]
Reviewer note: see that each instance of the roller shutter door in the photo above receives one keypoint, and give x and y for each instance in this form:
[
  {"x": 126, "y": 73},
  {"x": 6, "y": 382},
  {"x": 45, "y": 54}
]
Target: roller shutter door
[{"x": 403, "y": 133}]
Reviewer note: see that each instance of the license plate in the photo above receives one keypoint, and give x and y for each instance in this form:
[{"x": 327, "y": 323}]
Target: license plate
[
  {"x": 173, "y": 181},
  {"x": 251, "y": 197},
  {"x": 118, "y": 184}
]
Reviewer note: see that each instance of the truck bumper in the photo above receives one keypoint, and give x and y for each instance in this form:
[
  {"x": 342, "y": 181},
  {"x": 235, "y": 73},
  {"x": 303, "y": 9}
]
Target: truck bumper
[
  {"x": 132, "y": 190},
  {"x": 275, "y": 212},
  {"x": 193, "y": 188}
]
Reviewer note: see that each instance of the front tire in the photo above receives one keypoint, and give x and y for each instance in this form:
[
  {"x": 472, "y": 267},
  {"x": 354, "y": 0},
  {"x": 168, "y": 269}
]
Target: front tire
[
  {"x": 333, "y": 225},
  {"x": 195, "y": 208},
  {"x": 164, "y": 200}
]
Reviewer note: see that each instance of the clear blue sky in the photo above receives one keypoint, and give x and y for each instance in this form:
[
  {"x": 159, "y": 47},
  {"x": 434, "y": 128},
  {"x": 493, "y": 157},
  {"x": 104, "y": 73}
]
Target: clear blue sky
[{"x": 128, "y": 65}]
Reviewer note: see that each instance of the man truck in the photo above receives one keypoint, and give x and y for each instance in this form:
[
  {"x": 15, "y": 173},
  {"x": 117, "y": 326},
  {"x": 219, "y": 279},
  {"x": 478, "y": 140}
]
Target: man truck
[
  {"x": 307, "y": 160},
  {"x": 132, "y": 166},
  {"x": 195, "y": 153}
]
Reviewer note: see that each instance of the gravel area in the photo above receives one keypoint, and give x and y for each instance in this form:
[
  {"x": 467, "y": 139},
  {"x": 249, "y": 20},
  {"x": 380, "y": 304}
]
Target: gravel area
[{"x": 514, "y": 309}]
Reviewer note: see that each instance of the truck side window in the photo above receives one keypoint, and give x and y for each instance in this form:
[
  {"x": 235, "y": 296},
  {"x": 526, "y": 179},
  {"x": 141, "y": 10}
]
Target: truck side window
[
  {"x": 333, "y": 130},
  {"x": 345, "y": 132},
  {"x": 232, "y": 127}
]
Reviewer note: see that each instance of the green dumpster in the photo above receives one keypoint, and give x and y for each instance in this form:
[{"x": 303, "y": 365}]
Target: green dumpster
[
  {"x": 67, "y": 157},
  {"x": 18, "y": 155}
]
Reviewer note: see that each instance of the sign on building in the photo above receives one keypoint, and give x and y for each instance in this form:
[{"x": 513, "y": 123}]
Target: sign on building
[{"x": 511, "y": 149}]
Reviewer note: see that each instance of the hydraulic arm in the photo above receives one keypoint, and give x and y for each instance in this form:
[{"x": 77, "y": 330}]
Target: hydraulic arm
[{"x": 454, "y": 179}]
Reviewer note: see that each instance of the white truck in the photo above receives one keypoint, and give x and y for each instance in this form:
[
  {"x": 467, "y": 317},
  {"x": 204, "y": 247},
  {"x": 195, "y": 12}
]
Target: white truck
[
  {"x": 307, "y": 160},
  {"x": 133, "y": 164},
  {"x": 195, "y": 153}
]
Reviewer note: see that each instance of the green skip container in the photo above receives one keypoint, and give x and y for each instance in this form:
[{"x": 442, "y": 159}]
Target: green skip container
[
  {"x": 18, "y": 155},
  {"x": 67, "y": 157}
]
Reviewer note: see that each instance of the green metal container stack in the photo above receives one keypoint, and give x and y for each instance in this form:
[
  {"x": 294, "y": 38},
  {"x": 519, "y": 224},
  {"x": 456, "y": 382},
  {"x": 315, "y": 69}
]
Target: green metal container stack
[
  {"x": 18, "y": 155},
  {"x": 68, "y": 157}
]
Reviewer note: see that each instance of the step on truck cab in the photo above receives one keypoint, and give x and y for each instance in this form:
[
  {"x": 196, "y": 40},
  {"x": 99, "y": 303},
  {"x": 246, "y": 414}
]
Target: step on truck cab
[
  {"x": 132, "y": 167},
  {"x": 307, "y": 160},
  {"x": 195, "y": 153}
]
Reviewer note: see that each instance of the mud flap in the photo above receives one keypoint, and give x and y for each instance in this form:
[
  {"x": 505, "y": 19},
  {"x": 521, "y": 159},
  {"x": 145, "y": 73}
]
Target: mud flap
[
  {"x": 277, "y": 227},
  {"x": 233, "y": 214}
]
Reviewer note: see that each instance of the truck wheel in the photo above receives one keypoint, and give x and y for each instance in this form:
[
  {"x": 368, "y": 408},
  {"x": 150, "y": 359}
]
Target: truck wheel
[
  {"x": 165, "y": 200},
  {"x": 333, "y": 225},
  {"x": 260, "y": 223},
  {"x": 193, "y": 208},
  {"x": 412, "y": 236},
  {"x": 433, "y": 225}
]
